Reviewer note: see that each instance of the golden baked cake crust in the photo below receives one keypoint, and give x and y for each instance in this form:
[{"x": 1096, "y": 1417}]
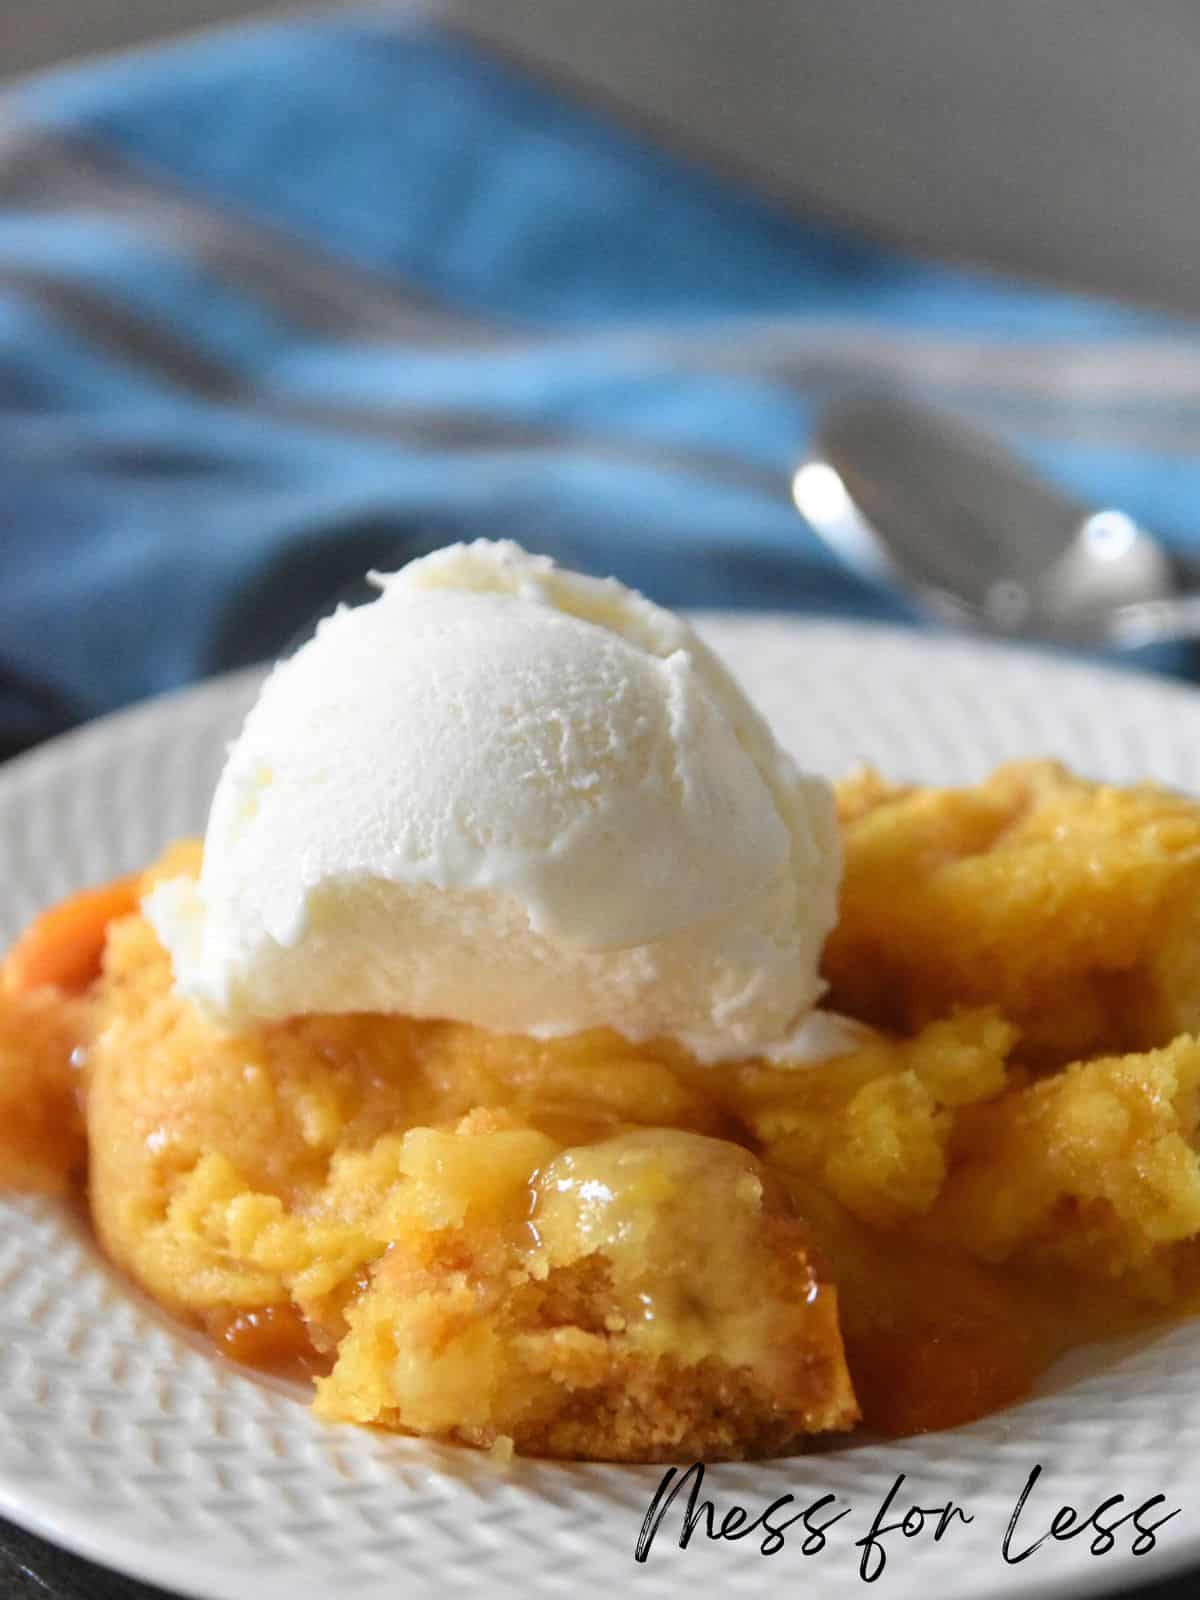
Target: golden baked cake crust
[
  {"x": 1072, "y": 907},
  {"x": 585, "y": 1248},
  {"x": 479, "y": 1226}
]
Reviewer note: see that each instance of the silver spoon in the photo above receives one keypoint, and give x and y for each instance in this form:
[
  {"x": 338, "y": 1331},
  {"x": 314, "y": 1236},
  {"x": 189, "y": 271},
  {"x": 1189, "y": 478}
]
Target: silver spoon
[{"x": 908, "y": 496}]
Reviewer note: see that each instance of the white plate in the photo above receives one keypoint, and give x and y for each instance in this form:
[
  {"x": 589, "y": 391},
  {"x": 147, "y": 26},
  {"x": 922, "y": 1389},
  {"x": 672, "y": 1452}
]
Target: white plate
[{"x": 123, "y": 1438}]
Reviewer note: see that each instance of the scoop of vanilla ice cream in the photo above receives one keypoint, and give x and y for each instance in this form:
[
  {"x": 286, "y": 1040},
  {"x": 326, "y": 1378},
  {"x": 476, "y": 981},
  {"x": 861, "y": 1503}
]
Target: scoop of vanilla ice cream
[{"x": 511, "y": 795}]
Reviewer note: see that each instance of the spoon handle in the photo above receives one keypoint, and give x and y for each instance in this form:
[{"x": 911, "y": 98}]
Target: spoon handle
[
  {"x": 1155, "y": 621},
  {"x": 1185, "y": 572}
]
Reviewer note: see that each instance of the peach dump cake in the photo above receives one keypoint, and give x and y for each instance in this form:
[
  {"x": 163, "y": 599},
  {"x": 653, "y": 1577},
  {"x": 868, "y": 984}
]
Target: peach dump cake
[{"x": 534, "y": 1057}]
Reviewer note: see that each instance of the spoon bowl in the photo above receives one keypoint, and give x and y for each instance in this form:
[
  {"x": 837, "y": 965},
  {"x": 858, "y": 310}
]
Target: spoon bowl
[{"x": 911, "y": 497}]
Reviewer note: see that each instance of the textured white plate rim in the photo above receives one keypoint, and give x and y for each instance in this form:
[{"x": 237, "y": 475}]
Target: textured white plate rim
[
  {"x": 951, "y": 647},
  {"x": 812, "y": 646},
  {"x": 186, "y": 1573}
]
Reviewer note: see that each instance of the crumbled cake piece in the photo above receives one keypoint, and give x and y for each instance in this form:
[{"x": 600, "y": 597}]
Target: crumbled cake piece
[
  {"x": 658, "y": 1301},
  {"x": 1072, "y": 907},
  {"x": 473, "y": 1228},
  {"x": 1092, "y": 1172}
]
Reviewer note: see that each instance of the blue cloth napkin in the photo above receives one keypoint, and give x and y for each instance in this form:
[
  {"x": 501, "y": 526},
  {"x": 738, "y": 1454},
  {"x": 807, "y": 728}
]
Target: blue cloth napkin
[{"x": 292, "y": 300}]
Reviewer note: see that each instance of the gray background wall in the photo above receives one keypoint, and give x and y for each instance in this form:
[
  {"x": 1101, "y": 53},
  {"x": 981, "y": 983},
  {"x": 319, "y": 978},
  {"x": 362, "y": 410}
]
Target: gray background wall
[
  {"x": 1056, "y": 139},
  {"x": 37, "y": 33}
]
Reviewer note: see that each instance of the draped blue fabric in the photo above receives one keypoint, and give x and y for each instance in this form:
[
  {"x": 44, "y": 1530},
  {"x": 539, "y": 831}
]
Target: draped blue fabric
[{"x": 296, "y": 299}]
